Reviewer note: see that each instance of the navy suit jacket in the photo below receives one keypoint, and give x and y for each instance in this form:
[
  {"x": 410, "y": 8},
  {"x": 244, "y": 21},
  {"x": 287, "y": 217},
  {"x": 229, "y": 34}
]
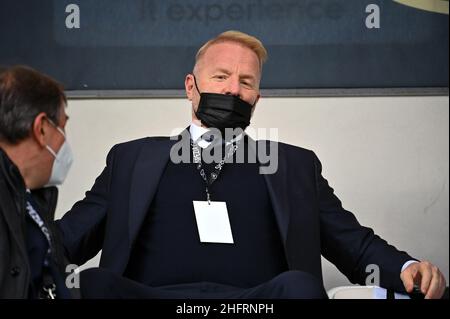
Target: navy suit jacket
[{"x": 311, "y": 219}]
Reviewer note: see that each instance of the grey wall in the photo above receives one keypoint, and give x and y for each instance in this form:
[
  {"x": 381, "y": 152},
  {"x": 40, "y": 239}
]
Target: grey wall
[{"x": 386, "y": 157}]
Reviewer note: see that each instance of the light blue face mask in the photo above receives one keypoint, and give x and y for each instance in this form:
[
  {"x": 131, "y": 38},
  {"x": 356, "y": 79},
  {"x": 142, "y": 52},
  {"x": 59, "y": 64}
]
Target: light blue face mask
[{"x": 62, "y": 163}]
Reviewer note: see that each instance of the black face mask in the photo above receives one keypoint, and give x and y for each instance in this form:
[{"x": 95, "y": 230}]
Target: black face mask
[{"x": 223, "y": 111}]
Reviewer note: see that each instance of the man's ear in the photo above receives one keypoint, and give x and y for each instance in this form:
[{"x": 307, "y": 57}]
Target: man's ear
[
  {"x": 256, "y": 102},
  {"x": 189, "y": 86},
  {"x": 39, "y": 128},
  {"x": 257, "y": 99}
]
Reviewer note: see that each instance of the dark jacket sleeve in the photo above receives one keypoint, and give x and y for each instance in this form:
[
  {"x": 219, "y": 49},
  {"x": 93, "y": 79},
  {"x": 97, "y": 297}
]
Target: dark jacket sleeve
[
  {"x": 351, "y": 247},
  {"x": 83, "y": 227}
]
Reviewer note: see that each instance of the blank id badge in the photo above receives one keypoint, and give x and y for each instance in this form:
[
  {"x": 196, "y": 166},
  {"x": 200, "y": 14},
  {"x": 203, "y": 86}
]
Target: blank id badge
[{"x": 212, "y": 222}]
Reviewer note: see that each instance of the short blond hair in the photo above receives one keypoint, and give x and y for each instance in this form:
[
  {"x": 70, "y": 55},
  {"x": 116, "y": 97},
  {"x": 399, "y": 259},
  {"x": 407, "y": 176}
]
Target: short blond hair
[{"x": 239, "y": 37}]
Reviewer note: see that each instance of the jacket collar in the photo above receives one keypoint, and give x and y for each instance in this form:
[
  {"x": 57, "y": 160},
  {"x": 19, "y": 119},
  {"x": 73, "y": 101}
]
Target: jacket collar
[
  {"x": 11, "y": 174},
  {"x": 45, "y": 197}
]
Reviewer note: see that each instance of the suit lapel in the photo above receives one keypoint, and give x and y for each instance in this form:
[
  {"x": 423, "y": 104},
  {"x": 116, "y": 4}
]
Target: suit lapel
[
  {"x": 276, "y": 185},
  {"x": 147, "y": 173}
]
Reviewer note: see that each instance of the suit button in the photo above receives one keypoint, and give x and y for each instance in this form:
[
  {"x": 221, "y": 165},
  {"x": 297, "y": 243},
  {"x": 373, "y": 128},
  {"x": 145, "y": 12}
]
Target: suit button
[{"x": 15, "y": 271}]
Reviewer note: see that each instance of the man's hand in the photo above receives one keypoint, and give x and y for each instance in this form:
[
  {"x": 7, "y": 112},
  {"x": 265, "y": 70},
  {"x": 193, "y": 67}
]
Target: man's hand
[{"x": 426, "y": 276}]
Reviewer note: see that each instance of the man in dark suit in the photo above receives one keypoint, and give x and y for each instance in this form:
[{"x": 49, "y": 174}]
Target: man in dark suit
[{"x": 151, "y": 215}]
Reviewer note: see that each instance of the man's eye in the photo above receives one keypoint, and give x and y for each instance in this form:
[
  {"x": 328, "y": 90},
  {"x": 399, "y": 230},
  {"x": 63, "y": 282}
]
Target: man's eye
[{"x": 247, "y": 84}]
